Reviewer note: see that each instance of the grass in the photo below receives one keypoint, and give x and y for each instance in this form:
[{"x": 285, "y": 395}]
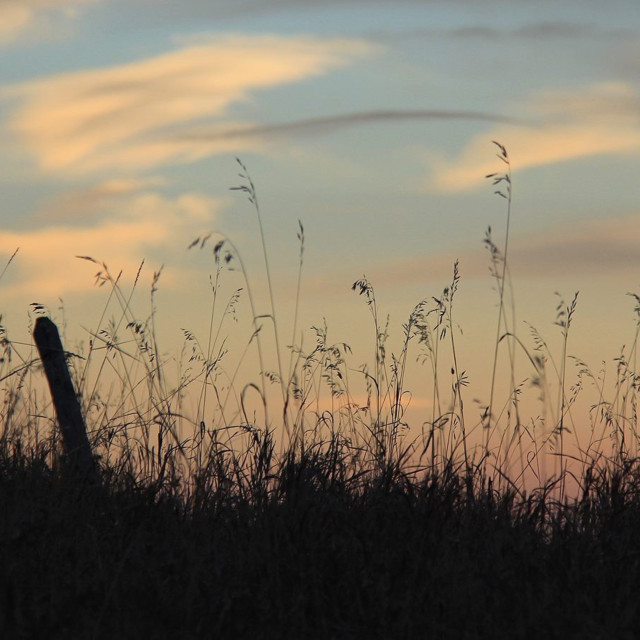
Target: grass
[{"x": 232, "y": 510}]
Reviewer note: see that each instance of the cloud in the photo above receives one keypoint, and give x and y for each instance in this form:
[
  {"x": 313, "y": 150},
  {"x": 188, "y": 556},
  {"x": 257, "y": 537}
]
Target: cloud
[
  {"x": 17, "y": 16},
  {"x": 533, "y": 32},
  {"x": 89, "y": 204},
  {"x": 542, "y": 31},
  {"x": 251, "y": 7},
  {"x": 598, "y": 120},
  {"x": 121, "y": 226},
  {"x": 324, "y": 124},
  {"x": 547, "y": 146},
  {"x": 14, "y": 17},
  {"x": 130, "y": 117},
  {"x": 594, "y": 247},
  {"x": 603, "y": 103}
]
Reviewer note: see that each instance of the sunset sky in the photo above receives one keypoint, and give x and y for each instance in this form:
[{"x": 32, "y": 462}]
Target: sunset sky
[{"x": 370, "y": 121}]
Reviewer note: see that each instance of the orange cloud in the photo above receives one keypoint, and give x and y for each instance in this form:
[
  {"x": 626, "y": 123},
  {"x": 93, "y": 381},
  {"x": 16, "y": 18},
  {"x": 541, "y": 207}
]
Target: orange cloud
[
  {"x": 46, "y": 264},
  {"x": 595, "y": 121},
  {"x": 16, "y": 16},
  {"x": 88, "y": 204},
  {"x": 130, "y": 117}
]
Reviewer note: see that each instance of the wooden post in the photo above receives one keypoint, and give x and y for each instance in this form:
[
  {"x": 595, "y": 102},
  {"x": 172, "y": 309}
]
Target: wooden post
[{"x": 74, "y": 432}]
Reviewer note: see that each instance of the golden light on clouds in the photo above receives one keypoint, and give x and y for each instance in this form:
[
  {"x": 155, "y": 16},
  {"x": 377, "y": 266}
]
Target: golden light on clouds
[
  {"x": 147, "y": 224},
  {"x": 597, "y": 120},
  {"x": 16, "y": 16},
  {"x": 13, "y": 18},
  {"x": 127, "y": 117}
]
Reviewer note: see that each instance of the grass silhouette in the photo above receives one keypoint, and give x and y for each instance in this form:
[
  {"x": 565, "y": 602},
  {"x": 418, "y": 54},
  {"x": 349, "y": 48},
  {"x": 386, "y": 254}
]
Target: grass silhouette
[{"x": 227, "y": 510}]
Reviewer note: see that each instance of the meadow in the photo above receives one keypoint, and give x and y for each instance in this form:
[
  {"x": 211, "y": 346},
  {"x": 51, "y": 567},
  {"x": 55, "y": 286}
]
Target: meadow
[{"x": 286, "y": 506}]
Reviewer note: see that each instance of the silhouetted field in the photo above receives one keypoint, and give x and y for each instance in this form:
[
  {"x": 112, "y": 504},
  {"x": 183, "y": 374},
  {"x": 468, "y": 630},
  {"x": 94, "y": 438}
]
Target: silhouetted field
[
  {"x": 313, "y": 547},
  {"x": 291, "y": 521}
]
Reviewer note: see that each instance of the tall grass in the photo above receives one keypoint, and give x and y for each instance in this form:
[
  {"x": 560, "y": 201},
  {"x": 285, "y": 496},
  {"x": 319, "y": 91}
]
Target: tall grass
[{"x": 226, "y": 509}]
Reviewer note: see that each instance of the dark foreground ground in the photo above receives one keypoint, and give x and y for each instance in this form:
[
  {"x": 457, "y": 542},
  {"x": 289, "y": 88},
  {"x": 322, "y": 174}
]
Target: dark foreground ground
[{"x": 314, "y": 552}]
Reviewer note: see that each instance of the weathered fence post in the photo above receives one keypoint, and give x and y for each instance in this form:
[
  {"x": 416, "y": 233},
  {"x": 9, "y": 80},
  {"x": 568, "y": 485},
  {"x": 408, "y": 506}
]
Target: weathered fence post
[{"x": 74, "y": 432}]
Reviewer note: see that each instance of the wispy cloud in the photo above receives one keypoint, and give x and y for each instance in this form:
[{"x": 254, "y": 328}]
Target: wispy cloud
[
  {"x": 598, "y": 120},
  {"x": 594, "y": 247},
  {"x": 243, "y": 7},
  {"x": 87, "y": 205},
  {"x": 117, "y": 223},
  {"x": 325, "y": 124},
  {"x": 533, "y": 32},
  {"x": 546, "y": 30},
  {"x": 130, "y": 117},
  {"x": 18, "y": 16}
]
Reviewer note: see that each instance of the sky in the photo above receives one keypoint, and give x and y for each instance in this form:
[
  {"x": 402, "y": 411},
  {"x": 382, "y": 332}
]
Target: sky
[{"x": 370, "y": 121}]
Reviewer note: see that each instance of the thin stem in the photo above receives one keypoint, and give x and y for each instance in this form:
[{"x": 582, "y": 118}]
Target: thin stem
[
  {"x": 497, "y": 179},
  {"x": 250, "y": 190}
]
